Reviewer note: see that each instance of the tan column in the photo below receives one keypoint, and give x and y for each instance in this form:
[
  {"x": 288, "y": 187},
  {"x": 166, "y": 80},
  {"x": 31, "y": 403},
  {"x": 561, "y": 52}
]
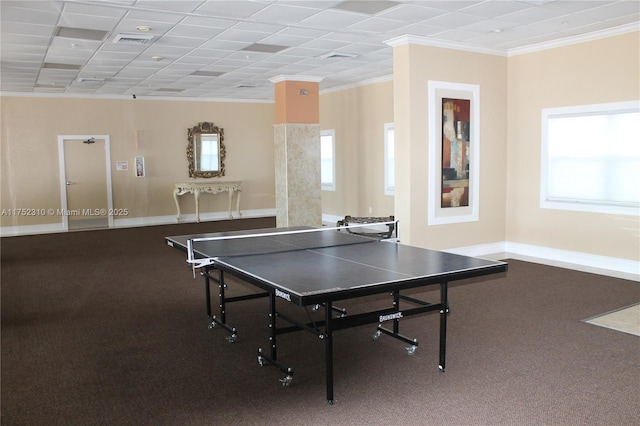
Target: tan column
[{"x": 297, "y": 151}]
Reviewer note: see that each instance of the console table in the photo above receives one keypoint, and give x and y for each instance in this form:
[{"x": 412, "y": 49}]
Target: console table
[{"x": 197, "y": 188}]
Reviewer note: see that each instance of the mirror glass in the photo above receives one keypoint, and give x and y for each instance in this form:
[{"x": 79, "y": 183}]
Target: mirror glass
[{"x": 206, "y": 150}]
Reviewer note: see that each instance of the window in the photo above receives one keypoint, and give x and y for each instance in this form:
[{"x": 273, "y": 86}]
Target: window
[
  {"x": 389, "y": 159},
  {"x": 591, "y": 158},
  {"x": 328, "y": 160}
]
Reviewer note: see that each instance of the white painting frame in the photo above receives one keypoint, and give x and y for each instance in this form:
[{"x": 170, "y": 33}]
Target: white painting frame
[{"x": 437, "y": 214}]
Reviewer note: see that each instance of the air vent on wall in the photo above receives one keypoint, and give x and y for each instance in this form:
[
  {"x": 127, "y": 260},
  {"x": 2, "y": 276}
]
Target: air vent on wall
[{"x": 132, "y": 38}]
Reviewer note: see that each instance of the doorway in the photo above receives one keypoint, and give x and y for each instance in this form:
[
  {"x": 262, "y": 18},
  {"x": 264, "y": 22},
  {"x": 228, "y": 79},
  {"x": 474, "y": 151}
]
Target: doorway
[{"x": 85, "y": 182}]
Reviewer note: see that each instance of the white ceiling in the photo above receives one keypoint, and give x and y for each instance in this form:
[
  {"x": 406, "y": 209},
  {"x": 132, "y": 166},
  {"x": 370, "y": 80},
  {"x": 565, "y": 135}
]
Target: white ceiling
[{"x": 42, "y": 52}]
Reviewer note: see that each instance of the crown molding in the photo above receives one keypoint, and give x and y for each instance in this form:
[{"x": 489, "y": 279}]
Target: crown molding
[
  {"x": 128, "y": 97},
  {"x": 367, "y": 82},
  {"x": 583, "y": 38},
  {"x": 305, "y": 78},
  {"x": 567, "y": 41},
  {"x": 454, "y": 45}
]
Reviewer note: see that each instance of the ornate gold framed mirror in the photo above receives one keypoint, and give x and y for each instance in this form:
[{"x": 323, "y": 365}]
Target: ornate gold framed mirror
[{"x": 205, "y": 150}]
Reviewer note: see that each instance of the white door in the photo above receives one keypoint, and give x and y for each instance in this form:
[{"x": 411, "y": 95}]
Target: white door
[{"x": 86, "y": 186}]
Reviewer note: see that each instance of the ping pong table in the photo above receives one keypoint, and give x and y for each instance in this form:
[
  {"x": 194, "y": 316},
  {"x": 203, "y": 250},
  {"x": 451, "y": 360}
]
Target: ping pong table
[{"x": 317, "y": 269}]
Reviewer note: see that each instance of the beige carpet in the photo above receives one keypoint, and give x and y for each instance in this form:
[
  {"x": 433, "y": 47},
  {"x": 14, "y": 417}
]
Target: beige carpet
[{"x": 626, "y": 320}]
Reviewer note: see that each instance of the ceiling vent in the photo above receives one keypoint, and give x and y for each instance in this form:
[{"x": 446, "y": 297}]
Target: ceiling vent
[
  {"x": 132, "y": 38},
  {"x": 89, "y": 80},
  {"x": 337, "y": 55},
  {"x": 246, "y": 86}
]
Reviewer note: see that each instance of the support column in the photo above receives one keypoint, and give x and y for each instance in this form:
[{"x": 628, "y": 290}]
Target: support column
[{"x": 297, "y": 151}]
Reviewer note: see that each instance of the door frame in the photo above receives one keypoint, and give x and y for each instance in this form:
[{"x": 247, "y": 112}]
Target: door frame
[{"x": 63, "y": 180}]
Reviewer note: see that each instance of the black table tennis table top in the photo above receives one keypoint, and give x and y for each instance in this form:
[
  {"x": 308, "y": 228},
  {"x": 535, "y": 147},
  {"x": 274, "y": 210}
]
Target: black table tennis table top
[{"x": 315, "y": 267}]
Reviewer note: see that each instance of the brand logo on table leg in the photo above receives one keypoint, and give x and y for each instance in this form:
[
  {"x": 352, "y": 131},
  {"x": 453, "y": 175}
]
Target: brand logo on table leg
[
  {"x": 285, "y": 296},
  {"x": 388, "y": 317}
]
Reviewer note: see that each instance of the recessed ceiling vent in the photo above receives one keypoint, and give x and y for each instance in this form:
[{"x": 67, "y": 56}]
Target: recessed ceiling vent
[
  {"x": 132, "y": 38},
  {"x": 337, "y": 55},
  {"x": 89, "y": 80}
]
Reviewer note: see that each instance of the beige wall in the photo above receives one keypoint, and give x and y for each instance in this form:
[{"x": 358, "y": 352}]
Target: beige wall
[
  {"x": 606, "y": 70},
  {"x": 414, "y": 66},
  {"x": 512, "y": 92},
  {"x": 30, "y": 167},
  {"x": 358, "y": 116}
]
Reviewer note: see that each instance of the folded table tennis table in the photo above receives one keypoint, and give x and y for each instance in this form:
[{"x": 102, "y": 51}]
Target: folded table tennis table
[{"x": 317, "y": 269}]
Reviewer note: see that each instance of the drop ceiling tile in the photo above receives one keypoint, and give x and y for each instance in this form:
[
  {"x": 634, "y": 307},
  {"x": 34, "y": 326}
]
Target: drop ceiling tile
[
  {"x": 153, "y": 18},
  {"x": 195, "y": 60},
  {"x": 451, "y": 5},
  {"x": 166, "y": 51},
  {"x": 248, "y": 37},
  {"x": 452, "y": 20},
  {"x": 182, "y": 42},
  {"x": 285, "y": 40},
  {"x": 28, "y": 29},
  {"x": 377, "y": 25},
  {"x": 565, "y": 23},
  {"x": 173, "y": 5},
  {"x": 27, "y": 16},
  {"x": 304, "y": 32},
  {"x": 323, "y": 44},
  {"x": 19, "y": 41},
  {"x": 48, "y": 6},
  {"x": 210, "y": 54},
  {"x": 613, "y": 10},
  {"x": 412, "y": 12},
  {"x": 343, "y": 36},
  {"x": 459, "y": 35},
  {"x": 232, "y": 9},
  {"x": 495, "y": 9},
  {"x": 419, "y": 29},
  {"x": 577, "y": 5},
  {"x": 485, "y": 26},
  {"x": 333, "y": 19},
  {"x": 531, "y": 15},
  {"x": 194, "y": 31},
  {"x": 302, "y": 52},
  {"x": 282, "y": 13},
  {"x": 92, "y": 10}
]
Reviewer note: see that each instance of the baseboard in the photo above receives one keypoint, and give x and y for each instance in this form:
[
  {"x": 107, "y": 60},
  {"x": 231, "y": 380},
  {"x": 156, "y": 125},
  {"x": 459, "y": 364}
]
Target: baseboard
[
  {"x": 49, "y": 228},
  {"x": 46, "y": 228},
  {"x": 603, "y": 265}
]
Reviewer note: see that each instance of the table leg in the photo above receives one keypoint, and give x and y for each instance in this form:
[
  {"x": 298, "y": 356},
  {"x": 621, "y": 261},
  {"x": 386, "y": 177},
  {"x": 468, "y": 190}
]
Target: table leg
[
  {"x": 328, "y": 342},
  {"x": 238, "y": 202},
  {"x": 196, "y": 194},
  {"x": 272, "y": 326},
  {"x": 444, "y": 303},
  {"x": 207, "y": 291},
  {"x": 175, "y": 198},
  {"x": 230, "y": 191}
]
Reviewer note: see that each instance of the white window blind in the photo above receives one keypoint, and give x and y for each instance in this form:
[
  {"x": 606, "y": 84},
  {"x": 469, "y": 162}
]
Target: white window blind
[
  {"x": 591, "y": 158},
  {"x": 389, "y": 159},
  {"x": 327, "y": 160}
]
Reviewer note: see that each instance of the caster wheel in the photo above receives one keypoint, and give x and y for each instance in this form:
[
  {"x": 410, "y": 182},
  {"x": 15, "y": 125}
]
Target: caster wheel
[
  {"x": 411, "y": 350},
  {"x": 376, "y": 335},
  {"x": 286, "y": 381}
]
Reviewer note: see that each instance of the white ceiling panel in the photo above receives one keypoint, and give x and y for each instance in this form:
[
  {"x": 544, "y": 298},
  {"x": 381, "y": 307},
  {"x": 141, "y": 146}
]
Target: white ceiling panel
[{"x": 210, "y": 35}]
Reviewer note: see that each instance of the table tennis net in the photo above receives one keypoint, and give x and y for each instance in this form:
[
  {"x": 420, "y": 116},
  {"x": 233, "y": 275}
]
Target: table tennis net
[{"x": 203, "y": 251}]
